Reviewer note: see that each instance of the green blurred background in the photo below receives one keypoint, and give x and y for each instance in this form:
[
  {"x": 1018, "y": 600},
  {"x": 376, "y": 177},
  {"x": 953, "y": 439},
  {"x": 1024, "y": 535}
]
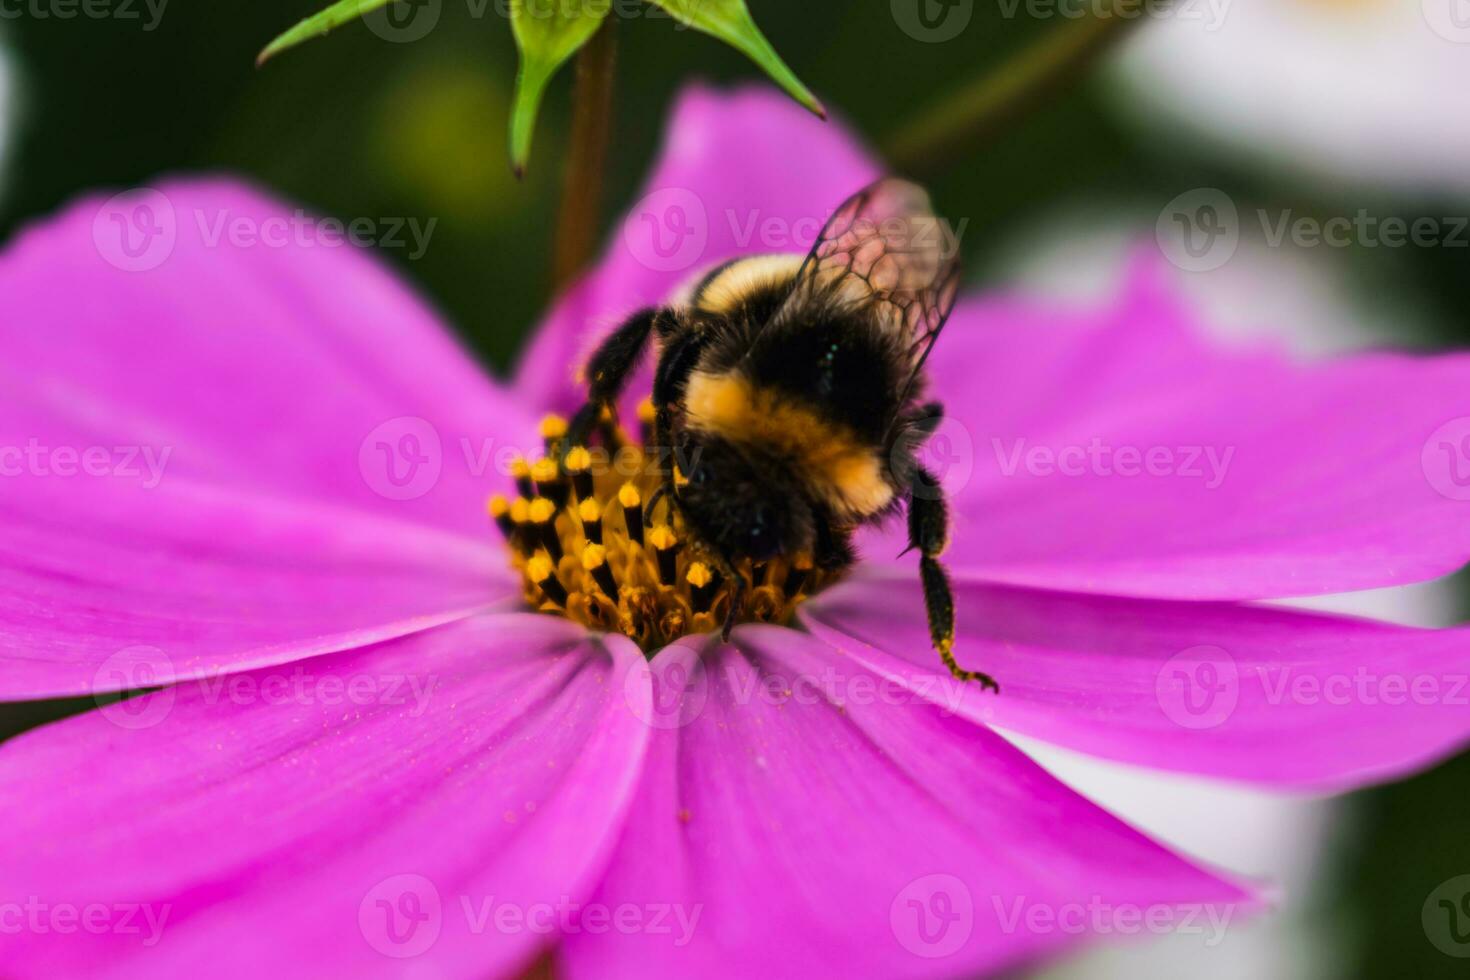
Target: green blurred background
[{"x": 352, "y": 125}]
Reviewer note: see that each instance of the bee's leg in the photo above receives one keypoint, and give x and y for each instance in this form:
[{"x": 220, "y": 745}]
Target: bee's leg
[
  {"x": 929, "y": 532},
  {"x": 832, "y": 549},
  {"x": 608, "y": 370},
  {"x": 925, "y": 419},
  {"x": 677, "y": 360},
  {"x": 916, "y": 427},
  {"x": 664, "y": 490},
  {"x": 676, "y": 363},
  {"x": 737, "y": 593}
]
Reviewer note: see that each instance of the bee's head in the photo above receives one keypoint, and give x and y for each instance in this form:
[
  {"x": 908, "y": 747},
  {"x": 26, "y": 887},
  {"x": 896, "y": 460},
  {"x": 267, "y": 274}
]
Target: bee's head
[{"x": 742, "y": 505}]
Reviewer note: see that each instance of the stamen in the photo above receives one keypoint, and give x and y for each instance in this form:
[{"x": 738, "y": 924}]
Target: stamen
[
  {"x": 553, "y": 429},
  {"x": 549, "y": 482},
  {"x": 646, "y": 415},
  {"x": 579, "y": 467},
  {"x": 607, "y": 427},
  {"x": 675, "y": 621},
  {"x": 520, "y": 517},
  {"x": 801, "y": 568},
  {"x": 499, "y": 509},
  {"x": 766, "y": 603},
  {"x": 702, "y": 584},
  {"x": 543, "y": 573},
  {"x": 591, "y": 516},
  {"x": 645, "y": 576},
  {"x": 594, "y": 560},
  {"x": 632, "y": 502},
  {"x": 666, "y": 547},
  {"x": 638, "y": 614},
  {"x": 520, "y": 471},
  {"x": 543, "y": 517}
]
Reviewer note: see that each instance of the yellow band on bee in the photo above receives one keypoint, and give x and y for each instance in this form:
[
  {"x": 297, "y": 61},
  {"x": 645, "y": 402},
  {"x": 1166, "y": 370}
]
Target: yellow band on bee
[{"x": 838, "y": 466}]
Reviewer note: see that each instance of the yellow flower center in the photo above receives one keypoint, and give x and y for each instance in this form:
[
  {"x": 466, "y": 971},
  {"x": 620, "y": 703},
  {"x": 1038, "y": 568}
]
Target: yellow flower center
[{"x": 578, "y": 536}]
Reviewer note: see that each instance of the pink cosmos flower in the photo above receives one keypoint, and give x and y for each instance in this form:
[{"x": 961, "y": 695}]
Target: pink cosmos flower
[{"x": 250, "y": 469}]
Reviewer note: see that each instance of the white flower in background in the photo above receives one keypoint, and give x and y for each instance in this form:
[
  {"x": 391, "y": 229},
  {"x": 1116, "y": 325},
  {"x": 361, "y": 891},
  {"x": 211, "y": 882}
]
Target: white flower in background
[
  {"x": 1365, "y": 91},
  {"x": 1266, "y": 294},
  {"x": 1268, "y": 289}
]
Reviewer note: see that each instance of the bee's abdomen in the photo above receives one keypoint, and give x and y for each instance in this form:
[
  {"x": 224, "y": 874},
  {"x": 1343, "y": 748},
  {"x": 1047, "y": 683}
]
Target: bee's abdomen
[{"x": 840, "y": 467}]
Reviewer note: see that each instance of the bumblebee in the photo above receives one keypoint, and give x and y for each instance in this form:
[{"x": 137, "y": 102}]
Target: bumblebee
[{"x": 790, "y": 389}]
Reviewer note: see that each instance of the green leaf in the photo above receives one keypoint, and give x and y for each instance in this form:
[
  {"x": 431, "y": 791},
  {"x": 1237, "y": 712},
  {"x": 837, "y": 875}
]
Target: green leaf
[
  {"x": 730, "y": 21},
  {"x": 318, "y": 24},
  {"x": 547, "y": 32}
]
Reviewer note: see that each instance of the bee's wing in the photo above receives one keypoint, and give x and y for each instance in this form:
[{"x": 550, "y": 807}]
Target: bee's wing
[{"x": 885, "y": 248}]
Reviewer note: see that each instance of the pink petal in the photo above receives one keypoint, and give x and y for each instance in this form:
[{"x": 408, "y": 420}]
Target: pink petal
[
  {"x": 277, "y": 824},
  {"x": 1325, "y": 477},
  {"x": 1245, "y": 692},
  {"x": 740, "y": 173},
  {"x": 258, "y": 356},
  {"x": 194, "y": 446},
  {"x": 793, "y": 807},
  {"x": 111, "y": 586}
]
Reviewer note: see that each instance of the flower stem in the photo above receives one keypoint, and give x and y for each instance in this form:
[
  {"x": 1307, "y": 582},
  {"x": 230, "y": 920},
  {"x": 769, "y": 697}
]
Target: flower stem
[
  {"x": 979, "y": 111},
  {"x": 581, "y": 196}
]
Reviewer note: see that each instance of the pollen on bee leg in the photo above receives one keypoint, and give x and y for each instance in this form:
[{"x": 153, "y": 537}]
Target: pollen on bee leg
[
  {"x": 541, "y": 571},
  {"x": 543, "y": 519},
  {"x": 594, "y": 562}
]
